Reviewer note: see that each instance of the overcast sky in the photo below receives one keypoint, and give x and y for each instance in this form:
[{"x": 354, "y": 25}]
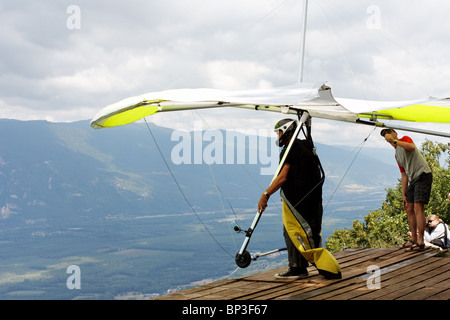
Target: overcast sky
[{"x": 66, "y": 60}]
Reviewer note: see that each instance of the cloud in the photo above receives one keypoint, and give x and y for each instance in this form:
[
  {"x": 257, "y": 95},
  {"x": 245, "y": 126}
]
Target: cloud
[
  {"x": 122, "y": 49},
  {"x": 222, "y": 74},
  {"x": 358, "y": 188}
]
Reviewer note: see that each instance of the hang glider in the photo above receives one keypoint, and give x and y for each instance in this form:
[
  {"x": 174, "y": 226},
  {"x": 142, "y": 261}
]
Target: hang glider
[{"x": 315, "y": 98}]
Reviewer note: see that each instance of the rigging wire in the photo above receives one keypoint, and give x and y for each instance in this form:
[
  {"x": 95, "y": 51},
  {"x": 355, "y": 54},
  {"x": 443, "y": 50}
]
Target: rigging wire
[
  {"x": 272, "y": 12},
  {"x": 219, "y": 191},
  {"x": 216, "y": 69},
  {"x": 359, "y": 147},
  {"x": 344, "y": 15},
  {"x": 241, "y": 165},
  {"x": 235, "y": 216},
  {"x": 248, "y": 173},
  {"x": 338, "y": 41},
  {"x": 181, "y": 190}
]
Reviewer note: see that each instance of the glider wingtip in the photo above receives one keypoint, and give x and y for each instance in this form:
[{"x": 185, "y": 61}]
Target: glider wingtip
[{"x": 94, "y": 125}]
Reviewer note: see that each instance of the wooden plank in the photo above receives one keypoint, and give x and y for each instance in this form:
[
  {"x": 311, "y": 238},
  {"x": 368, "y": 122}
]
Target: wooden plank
[
  {"x": 426, "y": 292},
  {"x": 416, "y": 292},
  {"x": 304, "y": 289},
  {"x": 430, "y": 284},
  {"x": 443, "y": 295},
  {"x": 357, "y": 271},
  {"x": 248, "y": 287},
  {"x": 298, "y": 288},
  {"x": 347, "y": 257},
  {"x": 291, "y": 287},
  {"x": 399, "y": 280},
  {"x": 389, "y": 276},
  {"x": 304, "y": 286},
  {"x": 402, "y": 278},
  {"x": 195, "y": 292},
  {"x": 397, "y": 269},
  {"x": 356, "y": 257},
  {"x": 408, "y": 285}
]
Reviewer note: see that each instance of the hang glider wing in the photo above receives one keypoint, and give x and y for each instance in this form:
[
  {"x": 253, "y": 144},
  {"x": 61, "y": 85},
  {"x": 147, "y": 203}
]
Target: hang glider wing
[
  {"x": 315, "y": 98},
  {"x": 431, "y": 110},
  {"x": 274, "y": 99}
]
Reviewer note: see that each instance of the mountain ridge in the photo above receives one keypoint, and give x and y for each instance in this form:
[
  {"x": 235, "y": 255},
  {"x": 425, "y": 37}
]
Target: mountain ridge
[{"x": 104, "y": 200}]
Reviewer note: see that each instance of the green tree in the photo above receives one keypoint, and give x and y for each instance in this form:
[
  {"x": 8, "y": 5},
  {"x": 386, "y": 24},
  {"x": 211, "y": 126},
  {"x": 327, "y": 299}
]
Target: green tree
[{"x": 387, "y": 226}]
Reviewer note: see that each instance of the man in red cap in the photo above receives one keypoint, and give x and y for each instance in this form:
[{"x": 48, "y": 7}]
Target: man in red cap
[{"x": 416, "y": 184}]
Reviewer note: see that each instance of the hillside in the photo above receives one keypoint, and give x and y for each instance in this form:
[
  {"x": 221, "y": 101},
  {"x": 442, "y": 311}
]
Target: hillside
[{"x": 105, "y": 201}]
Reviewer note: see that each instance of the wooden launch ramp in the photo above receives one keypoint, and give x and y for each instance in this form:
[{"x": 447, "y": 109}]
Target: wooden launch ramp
[{"x": 402, "y": 275}]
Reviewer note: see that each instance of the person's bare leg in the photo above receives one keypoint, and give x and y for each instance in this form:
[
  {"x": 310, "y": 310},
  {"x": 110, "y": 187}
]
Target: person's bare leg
[
  {"x": 409, "y": 208},
  {"x": 420, "y": 220}
]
